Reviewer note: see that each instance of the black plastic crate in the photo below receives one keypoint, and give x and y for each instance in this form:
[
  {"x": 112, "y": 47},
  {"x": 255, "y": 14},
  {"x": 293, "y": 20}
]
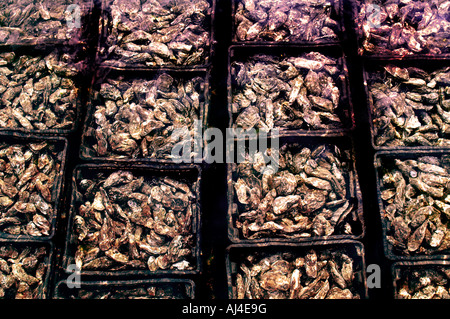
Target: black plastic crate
[
  {"x": 377, "y": 14},
  {"x": 57, "y": 193},
  {"x": 344, "y": 110},
  {"x": 78, "y": 70},
  {"x": 403, "y": 271},
  {"x": 105, "y": 57},
  {"x": 73, "y": 19},
  {"x": 88, "y": 139},
  {"x": 176, "y": 289},
  {"x": 190, "y": 174},
  {"x": 371, "y": 67},
  {"x": 383, "y": 160},
  {"x": 43, "y": 290},
  {"x": 353, "y": 194},
  {"x": 335, "y": 13},
  {"x": 236, "y": 253}
]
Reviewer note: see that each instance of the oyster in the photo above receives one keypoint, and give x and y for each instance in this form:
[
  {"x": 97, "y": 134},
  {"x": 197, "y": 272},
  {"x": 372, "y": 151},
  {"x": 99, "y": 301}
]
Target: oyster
[
  {"x": 39, "y": 92},
  {"x": 139, "y": 118},
  {"x": 163, "y": 290},
  {"x": 32, "y": 21},
  {"x": 403, "y": 27},
  {"x": 22, "y": 271},
  {"x": 310, "y": 195},
  {"x": 28, "y": 178},
  {"x": 290, "y": 276},
  {"x": 422, "y": 282},
  {"x": 156, "y": 33},
  {"x": 125, "y": 221},
  {"x": 417, "y": 215},
  {"x": 292, "y": 93},
  {"x": 410, "y": 106},
  {"x": 292, "y": 21}
]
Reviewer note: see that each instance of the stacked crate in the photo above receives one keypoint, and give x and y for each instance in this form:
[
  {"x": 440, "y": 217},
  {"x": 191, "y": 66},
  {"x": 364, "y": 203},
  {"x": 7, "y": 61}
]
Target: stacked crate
[
  {"x": 44, "y": 55},
  {"x": 405, "y": 52},
  {"x": 280, "y": 51},
  {"x": 90, "y": 189},
  {"x": 136, "y": 75}
]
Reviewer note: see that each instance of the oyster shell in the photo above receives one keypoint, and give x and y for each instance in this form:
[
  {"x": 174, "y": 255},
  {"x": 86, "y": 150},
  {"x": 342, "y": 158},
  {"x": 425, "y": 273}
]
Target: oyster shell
[
  {"x": 271, "y": 92},
  {"x": 157, "y": 33},
  {"x": 417, "y": 224},
  {"x": 314, "y": 275},
  {"x": 27, "y": 203},
  {"x": 121, "y": 224},
  {"x": 22, "y": 271},
  {"x": 310, "y": 195}
]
